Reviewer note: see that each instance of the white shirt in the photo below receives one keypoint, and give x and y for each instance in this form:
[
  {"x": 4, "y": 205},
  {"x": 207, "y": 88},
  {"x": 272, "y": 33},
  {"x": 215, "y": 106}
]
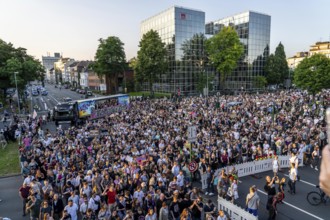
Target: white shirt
[
  {"x": 293, "y": 174},
  {"x": 72, "y": 210},
  {"x": 180, "y": 180},
  {"x": 275, "y": 164},
  {"x": 83, "y": 208},
  {"x": 138, "y": 195}
]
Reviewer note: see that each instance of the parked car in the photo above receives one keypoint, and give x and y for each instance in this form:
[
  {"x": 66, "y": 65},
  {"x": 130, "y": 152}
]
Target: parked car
[
  {"x": 35, "y": 93},
  {"x": 73, "y": 88},
  {"x": 66, "y": 86},
  {"x": 82, "y": 91},
  {"x": 67, "y": 99},
  {"x": 10, "y": 91},
  {"x": 78, "y": 90},
  {"x": 44, "y": 92},
  {"x": 89, "y": 93}
]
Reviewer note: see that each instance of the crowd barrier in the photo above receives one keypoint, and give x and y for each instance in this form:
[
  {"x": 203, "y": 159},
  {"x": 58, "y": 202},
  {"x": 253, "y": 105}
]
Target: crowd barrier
[
  {"x": 252, "y": 168},
  {"x": 235, "y": 212}
]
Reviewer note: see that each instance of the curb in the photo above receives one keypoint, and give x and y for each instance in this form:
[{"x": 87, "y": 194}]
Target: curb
[{"x": 10, "y": 175}]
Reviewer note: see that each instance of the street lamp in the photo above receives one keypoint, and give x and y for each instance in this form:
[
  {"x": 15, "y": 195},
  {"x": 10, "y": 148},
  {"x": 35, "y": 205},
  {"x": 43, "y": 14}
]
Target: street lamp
[{"x": 19, "y": 109}]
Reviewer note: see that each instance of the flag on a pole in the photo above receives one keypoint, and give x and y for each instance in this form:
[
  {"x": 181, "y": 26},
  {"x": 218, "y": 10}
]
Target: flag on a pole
[{"x": 34, "y": 114}]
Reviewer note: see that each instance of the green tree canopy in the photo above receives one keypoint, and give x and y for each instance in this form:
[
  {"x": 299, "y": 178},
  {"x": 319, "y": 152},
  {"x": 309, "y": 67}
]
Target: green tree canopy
[
  {"x": 110, "y": 60},
  {"x": 16, "y": 60},
  {"x": 276, "y": 68},
  {"x": 313, "y": 73},
  {"x": 225, "y": 49},
  {"x": 151, "y": 58}
]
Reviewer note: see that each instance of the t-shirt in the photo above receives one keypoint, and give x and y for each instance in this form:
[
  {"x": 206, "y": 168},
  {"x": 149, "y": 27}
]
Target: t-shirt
[
  {"x": 72, "y": 210},
  {"x": 271, "y": 191},
  {"x": 175, "y": 209},
  {"x": 195, "y": 211},
  {"x": 111, "y": 197},
  {"x": 253, "y": 200}
]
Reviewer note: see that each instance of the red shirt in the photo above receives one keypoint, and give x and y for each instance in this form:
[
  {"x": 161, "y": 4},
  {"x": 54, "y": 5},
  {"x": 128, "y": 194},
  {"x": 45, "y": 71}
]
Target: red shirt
[
  {"x": 24, "y": 191},
  {"x": 111, "y": 197}
]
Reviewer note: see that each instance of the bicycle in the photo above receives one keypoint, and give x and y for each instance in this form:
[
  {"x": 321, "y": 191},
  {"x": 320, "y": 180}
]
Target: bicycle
[{"x": 316, "y": 198}]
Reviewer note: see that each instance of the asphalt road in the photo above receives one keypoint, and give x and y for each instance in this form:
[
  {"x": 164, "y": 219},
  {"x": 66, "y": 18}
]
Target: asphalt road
[
  {"x": 295, "y": 206},
  {"x": 55, "y": 95}
]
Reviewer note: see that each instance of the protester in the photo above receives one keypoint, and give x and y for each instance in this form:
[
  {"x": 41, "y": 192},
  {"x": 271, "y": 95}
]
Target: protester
[
  {"x": 252, "y": 201},
  {"x": 315, "y": 158},
  {"x": 292, "y": 179},
  {"x": 24, "y": 194}
]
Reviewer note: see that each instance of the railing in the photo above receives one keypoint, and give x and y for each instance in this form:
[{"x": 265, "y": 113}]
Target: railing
[
  {"x": 251, "y": 168},
  {"x": 235, "y": 212}
]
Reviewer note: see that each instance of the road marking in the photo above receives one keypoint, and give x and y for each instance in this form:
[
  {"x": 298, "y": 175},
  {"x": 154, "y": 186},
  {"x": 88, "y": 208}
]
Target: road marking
[
  {"x": 295, "y": 207},
  {"x": 54, "y": 99},
  {"x": 311, "y": 184},
  {"x": 46, "y": 108}
]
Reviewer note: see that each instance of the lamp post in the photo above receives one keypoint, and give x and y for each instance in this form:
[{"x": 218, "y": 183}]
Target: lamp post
[{"x": 19, "y": 109}]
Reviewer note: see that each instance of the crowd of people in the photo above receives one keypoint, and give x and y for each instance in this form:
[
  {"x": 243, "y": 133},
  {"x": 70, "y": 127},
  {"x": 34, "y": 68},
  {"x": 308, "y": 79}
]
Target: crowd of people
[{"x": 134, "y": 164}]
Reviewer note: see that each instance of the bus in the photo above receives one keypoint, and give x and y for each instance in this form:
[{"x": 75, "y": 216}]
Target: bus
[{"x": 92, "y": 108}]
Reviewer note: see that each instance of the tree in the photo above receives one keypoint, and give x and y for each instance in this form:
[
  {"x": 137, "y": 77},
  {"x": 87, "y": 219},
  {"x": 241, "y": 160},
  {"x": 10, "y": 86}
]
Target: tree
[
  {"x": 225, "y": 49},
  {"x": 313, "y": 73},
  {"x": 195, "y": 58},
  {"x": 16, "y": 60},
  {"x": 151, "y": 59},
  {"x": 204, "y": 81},
  {"x": 110, "y": 60},
  {"x": 276, "y": 67},
  {"x": 260, "y": 82}
]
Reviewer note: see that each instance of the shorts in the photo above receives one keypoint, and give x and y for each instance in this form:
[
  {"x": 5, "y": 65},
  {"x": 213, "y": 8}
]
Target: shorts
[{"x": 253, "y": 211}]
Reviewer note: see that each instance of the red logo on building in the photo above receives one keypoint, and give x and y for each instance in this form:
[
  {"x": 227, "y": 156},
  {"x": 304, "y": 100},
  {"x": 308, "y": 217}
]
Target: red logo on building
[{"x": 183, "y": 16}]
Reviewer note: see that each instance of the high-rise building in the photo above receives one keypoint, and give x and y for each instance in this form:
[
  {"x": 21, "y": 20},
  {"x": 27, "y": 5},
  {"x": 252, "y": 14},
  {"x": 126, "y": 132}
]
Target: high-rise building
[
  {"x": 48, "y": 62},
  {"x": 180, "y": 29},
  {"x": 253, "y": 29}
]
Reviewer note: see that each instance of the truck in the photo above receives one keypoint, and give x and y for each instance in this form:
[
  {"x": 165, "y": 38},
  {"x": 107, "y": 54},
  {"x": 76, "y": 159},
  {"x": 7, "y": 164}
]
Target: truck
[{"x": 63, "y": 111}]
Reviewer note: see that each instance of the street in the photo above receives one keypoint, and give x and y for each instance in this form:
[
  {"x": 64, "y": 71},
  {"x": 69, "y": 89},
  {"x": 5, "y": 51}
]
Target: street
[{"x": 55, "y": 95}]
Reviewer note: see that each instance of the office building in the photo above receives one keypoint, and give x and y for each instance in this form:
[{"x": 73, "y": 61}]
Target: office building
[
  {"x": 48, "y": 62},
  {"x": 253, "y": 29},
  {"x": 177, "y": 26}
]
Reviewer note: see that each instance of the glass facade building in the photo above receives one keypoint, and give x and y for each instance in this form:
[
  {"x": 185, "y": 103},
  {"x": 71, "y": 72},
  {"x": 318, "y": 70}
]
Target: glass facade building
[
  {"x": 182, "y": 30},
  {"x": 254, "y": 32}
]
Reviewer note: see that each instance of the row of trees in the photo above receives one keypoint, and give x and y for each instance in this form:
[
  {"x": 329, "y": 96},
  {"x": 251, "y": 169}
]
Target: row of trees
[
  {"x": 16, "y": 60},
  {"x": 222, "y": 52}
]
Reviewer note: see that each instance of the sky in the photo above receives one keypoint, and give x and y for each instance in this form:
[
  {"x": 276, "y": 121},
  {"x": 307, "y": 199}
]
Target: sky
[{"x": 73, "y": 27}]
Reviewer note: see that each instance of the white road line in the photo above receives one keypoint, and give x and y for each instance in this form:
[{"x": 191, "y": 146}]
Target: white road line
[
  {"x": 295, "y": 207},
  {"x": 54, "y": 99},
  {"x": 311, "y": 184},
  {"x": 46, "y": 108}
]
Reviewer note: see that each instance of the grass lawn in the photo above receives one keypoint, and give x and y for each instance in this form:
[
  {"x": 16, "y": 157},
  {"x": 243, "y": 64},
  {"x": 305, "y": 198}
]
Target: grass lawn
[
  {"x": 145, "y": 93},
  {"x": 9, "y": 161}
]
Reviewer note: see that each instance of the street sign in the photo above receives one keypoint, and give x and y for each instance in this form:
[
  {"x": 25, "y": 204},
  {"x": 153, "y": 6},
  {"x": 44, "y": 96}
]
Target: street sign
[
  {"x": 193, "y": 166},
  {"x": 192, "y": 134}
]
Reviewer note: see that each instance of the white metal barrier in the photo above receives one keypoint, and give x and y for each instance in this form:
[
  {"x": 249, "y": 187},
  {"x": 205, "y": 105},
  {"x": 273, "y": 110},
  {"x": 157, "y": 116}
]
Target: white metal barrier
[
  {"x": 251, "y": 168},
  {"x": 235, "y": 212}
]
